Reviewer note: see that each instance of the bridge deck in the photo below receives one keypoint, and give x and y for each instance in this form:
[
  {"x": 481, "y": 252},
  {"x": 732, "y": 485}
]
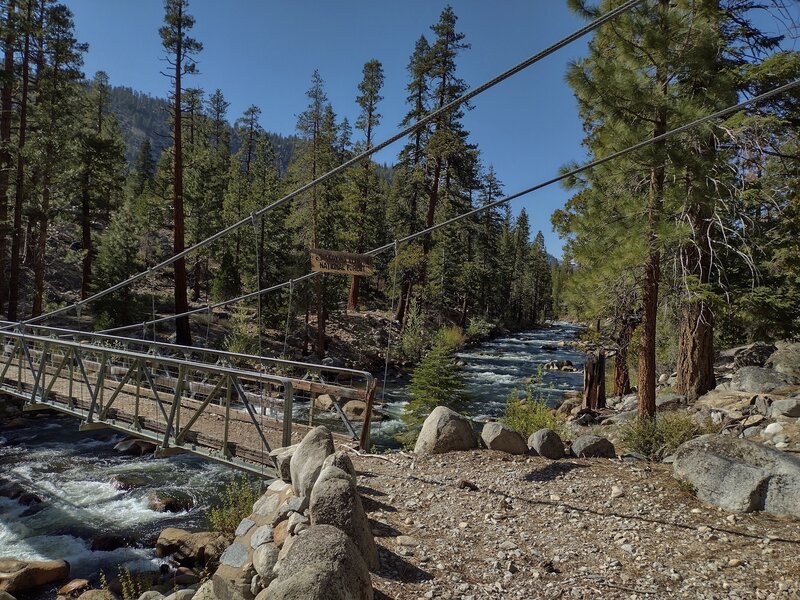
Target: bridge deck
[{"x": 227, "y": 414}]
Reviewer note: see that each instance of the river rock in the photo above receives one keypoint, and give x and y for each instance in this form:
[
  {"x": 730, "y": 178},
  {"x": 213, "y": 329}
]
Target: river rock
[
  {"x": 336, "y": 501},
  {"x": 754, "y": 355},
  {"x": 354, "y": 410},
  {"x": 282, "y": 457},
  {"x": 190, "y": 549},
  {"x": 204, "y": 592},
  {"x": 445, "y": 431},
  {"x": 262, "y": 535},
  {"x": 231, "y": 583},
  {"x": 546, "y": 443},
  {"x": 786, "y": 360},
  {"x": 322, "y": 563},
  {"x": 789, "y": 407},
  {"x": 307, "y": 460},
  {"x": 323, "y": 402},
  {"x": 96, "y": 595},
  {"x": 108, "y": 541},
  {"x": 21, "y": 576},
  {"x": 593, "y": 446},
  {"x": 500, "y": 437},
  {"x": 169, "y": 501},
  {"x": 73, "y": 587},
  {"x": 129, "y": 481},
  {"x": 739, "y": 475},
  {"x": 135, "y": 447},
  {"x": 341, "y": 460},
  {"x": 264, "y": 559},
  {"x": 758, "y": 380}
]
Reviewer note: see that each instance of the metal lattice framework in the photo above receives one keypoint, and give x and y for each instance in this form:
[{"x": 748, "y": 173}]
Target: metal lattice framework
[{"x": 224, "y": 406}]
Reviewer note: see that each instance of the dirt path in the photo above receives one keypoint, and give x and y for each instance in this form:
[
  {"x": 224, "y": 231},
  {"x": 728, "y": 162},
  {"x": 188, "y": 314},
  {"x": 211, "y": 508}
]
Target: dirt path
[{"x": 482, "y": 524}]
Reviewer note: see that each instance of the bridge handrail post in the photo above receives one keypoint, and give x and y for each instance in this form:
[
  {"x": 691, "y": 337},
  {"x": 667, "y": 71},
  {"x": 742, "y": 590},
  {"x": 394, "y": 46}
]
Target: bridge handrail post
[{"x": 288, "y": 409}]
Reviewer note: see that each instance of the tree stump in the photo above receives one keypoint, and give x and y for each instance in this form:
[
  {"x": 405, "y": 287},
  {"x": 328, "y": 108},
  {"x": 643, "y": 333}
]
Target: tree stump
[{"x": 594, "y": 381}]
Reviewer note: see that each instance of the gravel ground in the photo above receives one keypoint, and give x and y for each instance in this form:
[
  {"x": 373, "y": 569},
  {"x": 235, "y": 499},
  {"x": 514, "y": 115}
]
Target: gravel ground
[{"x": 482, "y": 524}]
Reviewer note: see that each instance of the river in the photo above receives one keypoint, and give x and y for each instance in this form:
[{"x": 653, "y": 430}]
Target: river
[{"x": 74, "y": 472}]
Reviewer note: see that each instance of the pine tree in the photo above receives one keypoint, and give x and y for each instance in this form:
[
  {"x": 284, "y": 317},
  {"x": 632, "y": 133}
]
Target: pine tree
[
  {"x": 6, "y": 157},
  {"x": 180, "y": 50},
  {"x": 435, "y": 382},
  {"x": 367, "y": 181}
]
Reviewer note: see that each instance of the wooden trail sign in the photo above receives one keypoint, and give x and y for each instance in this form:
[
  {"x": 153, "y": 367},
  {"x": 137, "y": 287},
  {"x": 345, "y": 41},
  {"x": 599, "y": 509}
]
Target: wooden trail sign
[{"x": 347, "y": 263}]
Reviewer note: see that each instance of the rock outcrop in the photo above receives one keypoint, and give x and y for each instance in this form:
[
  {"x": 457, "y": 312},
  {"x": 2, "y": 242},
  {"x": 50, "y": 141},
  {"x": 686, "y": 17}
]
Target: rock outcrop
[
  {"x": 445, "y": 431},
  {"x": 739, "y": 475}
]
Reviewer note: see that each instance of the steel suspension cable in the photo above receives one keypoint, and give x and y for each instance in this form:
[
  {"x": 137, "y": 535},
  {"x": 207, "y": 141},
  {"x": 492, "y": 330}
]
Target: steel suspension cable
[
  {"x": 356, "y": 159},
  {"x": 566, "y": 175}
]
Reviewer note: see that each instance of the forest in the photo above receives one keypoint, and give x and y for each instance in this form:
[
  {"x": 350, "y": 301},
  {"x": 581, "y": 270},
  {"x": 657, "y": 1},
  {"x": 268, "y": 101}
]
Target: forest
[
  {"x": 670, "y": 252},
  {"x": 98, "y": 183}
]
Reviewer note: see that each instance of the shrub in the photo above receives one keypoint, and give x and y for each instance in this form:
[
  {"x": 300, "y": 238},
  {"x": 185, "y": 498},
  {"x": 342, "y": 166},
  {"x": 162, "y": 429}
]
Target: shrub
[
  {"x": 661, "y": 436},
  {"x": 235, "y": 504},
  {"x": 242, "y": 337},
  {"x": 532, "y": 413},
  {"x": 529, "y": 415}
]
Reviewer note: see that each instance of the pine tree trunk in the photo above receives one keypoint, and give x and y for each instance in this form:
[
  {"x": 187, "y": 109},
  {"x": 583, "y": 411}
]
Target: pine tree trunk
[
  {"x": 352, "y": 297},
  {"x": 86, "y": 239},
  {"x": 182, "y": 331},
  {"x": 6, "y": 113},
  {"x": 622, "y": 379},
  {"x": 594, "y": 382},
  {"x": 696, "y": 338},
  {"x": 16, "y": 240}
]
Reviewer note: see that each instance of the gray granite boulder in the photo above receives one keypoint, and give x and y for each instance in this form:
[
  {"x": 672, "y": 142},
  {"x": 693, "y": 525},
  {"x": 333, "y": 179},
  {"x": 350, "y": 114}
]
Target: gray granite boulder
[
  {"x": 500, "y": 437},
  {"x": 547, "y": 443},
  {"x": 445, "y": 431},
  {"x": 739, "y": 475},
  {"x": 307, "y": 459}
]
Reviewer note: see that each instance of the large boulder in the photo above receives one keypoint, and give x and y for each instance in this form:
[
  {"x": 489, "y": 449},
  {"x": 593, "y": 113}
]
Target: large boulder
[
  {"x": 739, "y": 475},
  {"x": 593, "y": 446},
  {"x": 546, "y": 443},
  {"x": 754, "y": 355},
  {"x": 670, "y": 401},
  {"x": 324, "y": 564},
  {"x": 500, "y": 437},
  {"x": 308, "y": 458},
  {"x": 786, "y": 360},
  {"x": 445, "y": 431},
  {"x": 190, "y": 549},
  {"x": 324, "y": 402},
  {"x": 21, "y": 576},
  {"x": 335, "y": 501},
  {"x": 758, "y": 380}
]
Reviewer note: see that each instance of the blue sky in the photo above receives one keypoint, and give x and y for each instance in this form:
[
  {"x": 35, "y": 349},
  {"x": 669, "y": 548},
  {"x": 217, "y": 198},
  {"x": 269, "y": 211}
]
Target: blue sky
[{"x": 264, "y": 53}]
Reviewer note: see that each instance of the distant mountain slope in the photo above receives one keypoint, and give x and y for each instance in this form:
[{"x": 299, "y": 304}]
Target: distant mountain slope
[{"x": 142, "y": 115}]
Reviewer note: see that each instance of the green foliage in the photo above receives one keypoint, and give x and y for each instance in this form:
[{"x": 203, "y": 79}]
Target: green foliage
[
  {"x": 436, "y": 381},
  {"x": 236, "y": 503},
  {"x": 226, "y": 282},
  {"x": 479, "y": 329},
  {"x": 242, "y": 337},
  {"x": 530, "y": 414},
  {"x": 415, "y": 337},
  {"x": 661, "y": 436},
  {"x": 132, "y": 585}
]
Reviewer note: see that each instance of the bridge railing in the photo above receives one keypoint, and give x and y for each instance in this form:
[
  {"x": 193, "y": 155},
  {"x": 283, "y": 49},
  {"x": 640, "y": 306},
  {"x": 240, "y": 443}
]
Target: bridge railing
[
  {"x": 309, "y": 380},
  {"x": 212, "y": 410}
]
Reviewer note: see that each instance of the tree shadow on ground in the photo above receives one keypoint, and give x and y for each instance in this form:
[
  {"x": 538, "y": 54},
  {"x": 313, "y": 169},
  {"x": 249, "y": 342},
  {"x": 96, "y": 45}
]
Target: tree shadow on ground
[
  {"x": 552, "y": 471},
  {"x": 396, "y": 568}
]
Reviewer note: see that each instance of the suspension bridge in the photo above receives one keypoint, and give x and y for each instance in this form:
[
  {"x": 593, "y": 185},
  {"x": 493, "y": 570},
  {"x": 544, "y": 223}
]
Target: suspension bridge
[{"x": 229, "y": 407}]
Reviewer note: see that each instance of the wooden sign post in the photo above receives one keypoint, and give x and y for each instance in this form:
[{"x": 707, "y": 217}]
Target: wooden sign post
[{"x": 345, "y": 263}]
